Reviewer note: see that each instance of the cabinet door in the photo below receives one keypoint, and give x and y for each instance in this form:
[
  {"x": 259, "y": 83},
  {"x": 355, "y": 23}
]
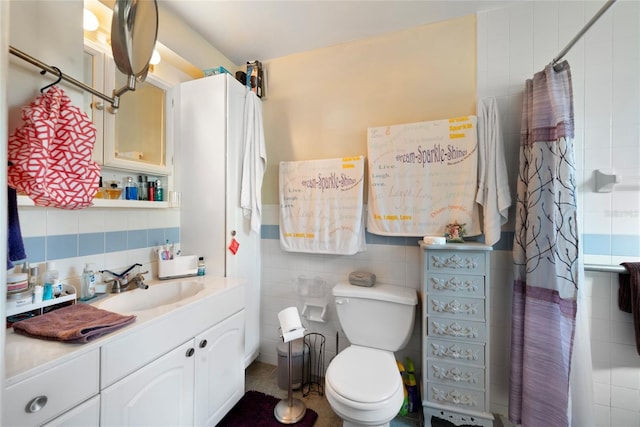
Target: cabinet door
[
  {"x": 87, "y": 414},
  {"x": 94, "y": 106},
  {"x": 220, "y": 368},
  {"x": 160, "y": 394}
]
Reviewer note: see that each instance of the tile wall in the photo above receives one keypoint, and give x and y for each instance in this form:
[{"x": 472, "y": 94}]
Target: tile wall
[
  {"x": 515, "y": 42},
  {"x": 112, "y": 238}
]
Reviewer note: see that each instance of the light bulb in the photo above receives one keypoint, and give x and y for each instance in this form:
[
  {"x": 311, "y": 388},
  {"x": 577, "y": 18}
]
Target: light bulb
[
  {"x": 90, "y": 21},
  {"x": 155, "y": 58}
]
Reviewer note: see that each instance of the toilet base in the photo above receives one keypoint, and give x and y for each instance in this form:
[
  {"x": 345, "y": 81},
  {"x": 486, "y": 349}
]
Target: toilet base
[{"x": 350, "y": 424}]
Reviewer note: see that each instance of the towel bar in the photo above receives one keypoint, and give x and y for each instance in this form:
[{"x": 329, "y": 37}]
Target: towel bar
[{"x": 605, "y": 268}]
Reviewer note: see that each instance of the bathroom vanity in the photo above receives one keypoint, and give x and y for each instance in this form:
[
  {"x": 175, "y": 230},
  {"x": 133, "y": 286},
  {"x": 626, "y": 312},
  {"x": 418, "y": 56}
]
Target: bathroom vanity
[
  {"x": 455, "y": 323},
  {"x": 180, "y": 363}
]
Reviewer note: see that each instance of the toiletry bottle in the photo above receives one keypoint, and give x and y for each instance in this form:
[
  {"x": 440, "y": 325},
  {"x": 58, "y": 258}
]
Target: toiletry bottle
[
  {"x": 201, "y": 267},
  {"x": 158, "y": 194},
  {"x": 51, "y": 281},
  {"x": 130, "y": 190},
  {"x": 88, "y": 288},
  {"x": 150, "y": 191},
  {"x": 34, "y": 277},
  {"x": 143, "y": 190}
]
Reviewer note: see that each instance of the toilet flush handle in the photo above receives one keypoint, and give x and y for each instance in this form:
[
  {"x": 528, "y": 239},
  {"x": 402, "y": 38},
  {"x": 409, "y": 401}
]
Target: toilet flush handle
[{"x": 341, "y": 301}]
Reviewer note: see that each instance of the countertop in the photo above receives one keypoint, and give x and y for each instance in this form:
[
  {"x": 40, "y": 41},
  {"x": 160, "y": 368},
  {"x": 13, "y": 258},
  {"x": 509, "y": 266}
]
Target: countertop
[{"x": 25, "y": 356}]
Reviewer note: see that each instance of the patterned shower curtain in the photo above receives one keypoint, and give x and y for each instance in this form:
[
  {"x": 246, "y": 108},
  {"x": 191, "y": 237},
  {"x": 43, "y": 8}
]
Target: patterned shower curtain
[{"x": 546, "y": 254}]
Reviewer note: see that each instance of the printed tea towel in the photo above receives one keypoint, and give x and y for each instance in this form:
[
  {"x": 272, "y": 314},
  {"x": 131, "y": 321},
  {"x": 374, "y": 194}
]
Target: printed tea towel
[
  {"x": 423, "y": 176},
  {"x": 321, "y": 206},
  {"x": 50, "y": 154}
]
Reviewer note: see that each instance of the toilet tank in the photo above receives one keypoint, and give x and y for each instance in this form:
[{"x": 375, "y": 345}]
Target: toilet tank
[{"x": 380, "y": 316}]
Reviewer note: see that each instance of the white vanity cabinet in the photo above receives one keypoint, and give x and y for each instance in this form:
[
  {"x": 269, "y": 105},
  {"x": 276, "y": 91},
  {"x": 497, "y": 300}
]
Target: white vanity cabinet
[
  {"x": 43, "y": 397},
  {"x": 196, "y": 383},
  {"x": 86, "y": 414},
  {"x": 219, "y": 360},
  {"x": 455, "y": 324},
  {"x": 178, "y": 364},
  {"x": 161, "y": 393}
]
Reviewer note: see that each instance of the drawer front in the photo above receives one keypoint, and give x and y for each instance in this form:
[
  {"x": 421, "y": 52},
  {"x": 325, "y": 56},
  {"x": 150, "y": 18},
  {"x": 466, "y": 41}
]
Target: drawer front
[
  {"x": 458, "y": 308},
  {"x": 455, "y": 351},
  {"x": 455, "y": 284},
  {"x": 468, "y": 262},
  {"x": 454, "y": 396},
  {"x": 464, "y": 330},
  {"x": 53, "y": 392},
  {"x": 456, "y": 374}
]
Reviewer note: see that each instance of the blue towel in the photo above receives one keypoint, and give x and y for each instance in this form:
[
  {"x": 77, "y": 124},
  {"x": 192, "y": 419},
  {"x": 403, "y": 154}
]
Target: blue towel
[{"x": 15, "y": 246}]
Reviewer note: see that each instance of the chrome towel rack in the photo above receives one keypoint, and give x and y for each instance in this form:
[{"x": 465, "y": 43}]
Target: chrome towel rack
[
  {"x": 114, "y": 101},
  {"x": 605, "y": 268}
]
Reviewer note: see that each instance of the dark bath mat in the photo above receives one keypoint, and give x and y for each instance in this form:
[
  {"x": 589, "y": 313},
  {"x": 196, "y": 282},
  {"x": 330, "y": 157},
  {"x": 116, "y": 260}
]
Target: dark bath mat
[{"x": 255, "y": 409}]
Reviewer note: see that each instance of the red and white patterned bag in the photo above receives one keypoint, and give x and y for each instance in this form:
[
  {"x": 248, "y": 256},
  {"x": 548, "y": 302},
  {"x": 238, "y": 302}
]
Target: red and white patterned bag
[{"x": 50, "y": 154}]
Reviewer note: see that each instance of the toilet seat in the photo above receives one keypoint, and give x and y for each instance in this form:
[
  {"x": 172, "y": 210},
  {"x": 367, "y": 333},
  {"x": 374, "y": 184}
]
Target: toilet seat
[{"x": 364, "y": 376}]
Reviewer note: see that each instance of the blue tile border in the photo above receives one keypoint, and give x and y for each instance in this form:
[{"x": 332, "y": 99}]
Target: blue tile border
[
  {"x": 47, "y": 248},
  {"x": 43, "y": 248},
  {"x": 593, "y": 244}
]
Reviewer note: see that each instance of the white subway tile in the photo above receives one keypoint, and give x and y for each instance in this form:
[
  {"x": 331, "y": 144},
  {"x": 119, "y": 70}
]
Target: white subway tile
[{"x": 60, "y": 221}]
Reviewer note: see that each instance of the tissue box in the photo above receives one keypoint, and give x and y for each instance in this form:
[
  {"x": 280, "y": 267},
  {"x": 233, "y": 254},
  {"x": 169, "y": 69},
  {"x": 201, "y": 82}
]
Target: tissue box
[{"x": 182, "y": 266}]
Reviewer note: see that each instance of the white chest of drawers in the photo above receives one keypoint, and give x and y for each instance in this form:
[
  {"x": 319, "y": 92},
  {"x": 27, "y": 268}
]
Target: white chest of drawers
[{"x": 455, "y": 325}]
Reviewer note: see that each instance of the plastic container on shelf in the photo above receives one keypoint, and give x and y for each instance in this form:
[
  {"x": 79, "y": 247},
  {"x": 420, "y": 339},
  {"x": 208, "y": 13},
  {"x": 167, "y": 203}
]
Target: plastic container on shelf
[
  {"x": 88, "y": 286},
  {"x": 51, "y": 278}
]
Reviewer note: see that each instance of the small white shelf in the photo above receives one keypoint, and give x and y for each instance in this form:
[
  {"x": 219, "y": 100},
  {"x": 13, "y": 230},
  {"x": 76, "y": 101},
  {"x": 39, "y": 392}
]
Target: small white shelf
[
  {"x": 12, "y": 310},
  {"x": 109, "y": 203}
]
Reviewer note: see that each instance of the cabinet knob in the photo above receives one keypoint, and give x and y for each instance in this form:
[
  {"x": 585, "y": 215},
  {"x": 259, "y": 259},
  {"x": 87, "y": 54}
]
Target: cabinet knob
[
  {"x": 233, "y": 233},
  {"x": 98, "y": 105},
  {"x": 203, "y": 343},
  {"x": 36, "y": 404},
  {"x": 190, "y": 352}
]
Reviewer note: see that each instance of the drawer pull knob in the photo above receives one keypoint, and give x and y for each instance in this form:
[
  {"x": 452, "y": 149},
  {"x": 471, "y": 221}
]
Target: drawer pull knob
[
  {"x": 341, "y": 301},
  {"x": 190, "y": 352},
  {"x": 203, "y": 343},
  {"x": 36, "y": 404}
]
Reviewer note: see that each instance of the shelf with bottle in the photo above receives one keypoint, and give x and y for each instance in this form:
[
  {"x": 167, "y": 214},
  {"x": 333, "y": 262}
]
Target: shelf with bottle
[
  {"x": 26, "y": 303},
  {"x": 113, "y": 191}
]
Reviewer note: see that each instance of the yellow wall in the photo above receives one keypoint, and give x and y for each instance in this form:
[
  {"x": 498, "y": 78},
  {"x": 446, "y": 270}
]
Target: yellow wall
[{"x": 320, "y": 103}]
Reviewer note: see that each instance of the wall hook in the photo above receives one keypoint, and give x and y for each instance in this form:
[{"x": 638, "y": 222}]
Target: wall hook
[{"x": 43, "y": 72}]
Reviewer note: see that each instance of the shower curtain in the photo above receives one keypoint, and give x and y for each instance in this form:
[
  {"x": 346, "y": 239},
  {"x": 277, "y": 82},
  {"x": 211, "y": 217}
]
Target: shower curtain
[{"x": 546, "y": 255}]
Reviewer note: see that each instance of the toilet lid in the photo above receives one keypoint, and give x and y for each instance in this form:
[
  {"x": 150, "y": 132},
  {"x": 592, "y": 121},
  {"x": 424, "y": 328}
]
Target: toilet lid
[{"x": 363, "y": 374}]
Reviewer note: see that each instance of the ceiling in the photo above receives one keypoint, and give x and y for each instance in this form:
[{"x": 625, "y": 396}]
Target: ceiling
[{"x": 248, "y": 30}]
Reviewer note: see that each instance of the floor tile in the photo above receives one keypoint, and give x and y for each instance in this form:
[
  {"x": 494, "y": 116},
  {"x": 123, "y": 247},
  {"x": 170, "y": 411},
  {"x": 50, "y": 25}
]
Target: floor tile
[{"x": 263, "y": 377}]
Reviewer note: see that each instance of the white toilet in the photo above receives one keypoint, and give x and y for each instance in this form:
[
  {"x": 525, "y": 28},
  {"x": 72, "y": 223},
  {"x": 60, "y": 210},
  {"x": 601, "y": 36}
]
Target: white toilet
[{"x": 363, "y": 383}]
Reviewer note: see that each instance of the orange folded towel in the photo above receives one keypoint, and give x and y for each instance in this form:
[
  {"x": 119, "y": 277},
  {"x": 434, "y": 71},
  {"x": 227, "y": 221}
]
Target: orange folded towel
[{"x": 78, "y": 323}]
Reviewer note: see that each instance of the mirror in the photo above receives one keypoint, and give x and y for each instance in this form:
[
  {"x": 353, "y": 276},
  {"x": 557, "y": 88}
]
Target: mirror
[{"x": 134, "y": 30}]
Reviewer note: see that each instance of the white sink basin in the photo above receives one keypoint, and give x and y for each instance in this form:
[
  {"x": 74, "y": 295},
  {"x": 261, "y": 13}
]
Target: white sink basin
[{"x": 158, "y": 295}]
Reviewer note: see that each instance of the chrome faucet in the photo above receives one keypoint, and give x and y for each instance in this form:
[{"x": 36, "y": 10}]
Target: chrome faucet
[{"x": 122, "y": 282}]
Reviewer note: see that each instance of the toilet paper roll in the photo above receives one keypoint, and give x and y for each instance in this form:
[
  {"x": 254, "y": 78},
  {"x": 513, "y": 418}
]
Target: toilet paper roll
[
  {"x": 289, "y": 319},
  {"x": 293, "y": 335},
  {"x": 434, "y": 240}
]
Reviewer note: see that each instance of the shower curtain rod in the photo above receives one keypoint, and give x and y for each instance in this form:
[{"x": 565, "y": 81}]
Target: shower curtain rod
[{"x": 584, "y": 29}]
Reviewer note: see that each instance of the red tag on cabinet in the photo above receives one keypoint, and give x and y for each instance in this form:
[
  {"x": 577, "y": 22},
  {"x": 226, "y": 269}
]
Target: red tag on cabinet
[{"x": 233, "y": 246}]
